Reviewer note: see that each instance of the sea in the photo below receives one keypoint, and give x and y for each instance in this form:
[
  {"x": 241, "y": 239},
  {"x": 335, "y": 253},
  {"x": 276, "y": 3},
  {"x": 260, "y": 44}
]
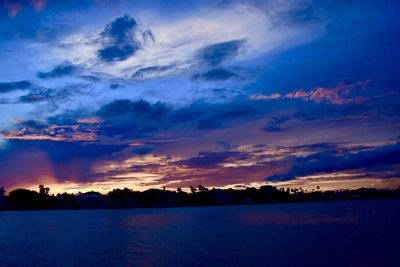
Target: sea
[{"x": 338, "y": 233}]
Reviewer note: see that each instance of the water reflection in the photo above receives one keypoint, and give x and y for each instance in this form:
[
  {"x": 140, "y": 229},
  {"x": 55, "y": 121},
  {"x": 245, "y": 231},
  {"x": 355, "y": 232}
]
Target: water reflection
[
  {"x": 279, "y": 218},
  {"x": 155, "y": 220},
  {"x": 152, "y": 236},
  {"x": 309, "y": 234}
]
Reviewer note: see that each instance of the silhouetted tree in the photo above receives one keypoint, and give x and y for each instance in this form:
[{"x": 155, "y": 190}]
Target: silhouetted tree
[
  {"x": 41, "y": 190},
  {"x": 23, "y": 199},
  {"x": 193, "y": 189},
  {"x": 202, "y": 189},
  {"x": 2, "y": 202},
  {"x": 124, "y": 198}
]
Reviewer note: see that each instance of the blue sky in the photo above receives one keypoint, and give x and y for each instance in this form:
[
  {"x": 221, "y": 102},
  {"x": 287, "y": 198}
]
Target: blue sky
[{"x": 105, "y": 94}]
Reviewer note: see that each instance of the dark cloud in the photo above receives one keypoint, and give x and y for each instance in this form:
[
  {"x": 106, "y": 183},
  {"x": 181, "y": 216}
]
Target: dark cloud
[
  {"x": 119, "y": 40},
  {"x": 149, "y": 71},
  {"x": 212, "y": 116},
  {"x": 34, "y": 97},
  {"x": 187, "y": 114},
  {"x": 221, "y": 115},
  {"x": 333, "y": 161},
  {"x": 34, "y": 124},
  {"x": 212, "y": 159},
  {"x": 132, "y": 117},
  {"x": 52, "y": 96},
  {"x": 12, "y": 86},
  {"x": 61, "y": 70},
  {"x": 129, "y": 118},
  {"x": 142, "y": 150},
  {"x": 272, "y": 129},
  {"x": 90, "y": 78},
  {"x": 120, "y": 29},
  {"x": 116, "y": 86},
  {"x": 117, "y": 52},
  {"x": 138, "y": 108},
  {"x": 215, "y": 75},
  {"x": 148, "y": 36},
  {"x": 63, "y": 160},
  {"x": 66, "y": 118},
  {"x": 317, "y": 147},
  {"x": 274, "y": 124},
  {"x": 218, "y": 115},
  {"x": 314, "y": 11},
  {"x": 217, "y": 53}
]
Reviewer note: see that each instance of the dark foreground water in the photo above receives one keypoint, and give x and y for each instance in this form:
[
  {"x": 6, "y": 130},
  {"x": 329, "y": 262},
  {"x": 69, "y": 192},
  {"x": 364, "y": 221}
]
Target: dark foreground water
[{"x": 347, "y": 233}]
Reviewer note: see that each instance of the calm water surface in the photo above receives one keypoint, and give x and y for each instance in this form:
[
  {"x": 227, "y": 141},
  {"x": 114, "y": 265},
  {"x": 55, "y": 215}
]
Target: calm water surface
[{"x": 347, "y": 233}]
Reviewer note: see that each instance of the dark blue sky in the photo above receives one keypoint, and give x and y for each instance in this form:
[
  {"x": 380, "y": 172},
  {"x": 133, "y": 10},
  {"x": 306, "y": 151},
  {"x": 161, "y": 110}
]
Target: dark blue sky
[{"x": 105, "y": 94}]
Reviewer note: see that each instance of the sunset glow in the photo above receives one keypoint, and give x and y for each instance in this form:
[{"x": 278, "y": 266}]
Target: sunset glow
[{"x": 117, "y": 94}]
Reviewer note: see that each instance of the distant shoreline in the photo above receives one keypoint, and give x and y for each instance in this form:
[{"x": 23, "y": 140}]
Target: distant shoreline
[
  {"x": 26, "y": 200},
  {"x": 201, "y": 206}
]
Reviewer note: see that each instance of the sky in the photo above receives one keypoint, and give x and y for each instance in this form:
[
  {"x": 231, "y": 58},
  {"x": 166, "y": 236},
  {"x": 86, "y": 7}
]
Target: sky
[{"x": 97, "y": 94}]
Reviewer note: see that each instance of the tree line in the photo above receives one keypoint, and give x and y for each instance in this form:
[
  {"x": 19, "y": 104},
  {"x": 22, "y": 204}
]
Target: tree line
[{"x": 24, "y": 199}]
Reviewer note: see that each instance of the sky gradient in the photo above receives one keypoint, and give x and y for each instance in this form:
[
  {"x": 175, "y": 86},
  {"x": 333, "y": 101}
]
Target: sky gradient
[{"x": 96, "y": 95}]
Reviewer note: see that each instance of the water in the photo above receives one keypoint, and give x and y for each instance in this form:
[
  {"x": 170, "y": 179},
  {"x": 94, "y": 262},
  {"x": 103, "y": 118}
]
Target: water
[{"x": 347, "y": 233}]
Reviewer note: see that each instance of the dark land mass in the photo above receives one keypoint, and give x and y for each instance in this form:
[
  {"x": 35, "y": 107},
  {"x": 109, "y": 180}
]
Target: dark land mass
[{"x": 23, "y": 199}]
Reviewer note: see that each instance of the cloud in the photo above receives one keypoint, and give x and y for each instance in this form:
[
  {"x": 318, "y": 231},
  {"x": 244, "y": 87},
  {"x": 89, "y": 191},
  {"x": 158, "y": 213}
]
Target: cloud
[
  {"x": 12, "y": 86},
  {"x": 130, "y": 118},
  {"x": 216, "y": 54},
  {"x": 215, "y": 75},
  {"x": 54, "y": 99},
  {"x": 274, "y": 124},
  {"x": 32, "y": 98},
  {"x": 203, "y": 72},
  {"x": 31, "y": 123},
  {"x": 209, "y": 116},
  {"x": 142, "y": 150},
  {"x": 58, "y": 133},
  {"x": 199, "y": 38},
  {"x": 138, "y": 108},
  {"x": 265, "y": 97},
  {"x": 187, "y": 114},
  {"x": 338, "y": 95},
  {"x": 120, "y": 30},
  {"x": 115, "y": 86},
  {"x": 152, "y": 71},
  {"x": 125, "y": 119},
  {"x": 222, "y": 115},
  {"x": 61, "y": 70},
  {"x": 117, "y": 52},
  {"x": 120, "y": 40},
  {"x": 212, "y": 159},
  {"x": 330, "y": 161},
  {"x": 40, "y": 160}
]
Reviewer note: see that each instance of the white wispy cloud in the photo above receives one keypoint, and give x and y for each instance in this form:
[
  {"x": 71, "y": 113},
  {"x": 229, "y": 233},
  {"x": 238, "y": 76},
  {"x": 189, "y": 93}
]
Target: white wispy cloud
[
  {"x": 178, "y": 39},
  {"x": 165, "y": 65}
]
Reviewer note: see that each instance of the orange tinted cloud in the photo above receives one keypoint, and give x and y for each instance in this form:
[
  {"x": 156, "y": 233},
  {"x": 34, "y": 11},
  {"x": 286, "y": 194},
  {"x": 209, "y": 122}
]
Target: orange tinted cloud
[
  {"x": 337, "y": 95},
  {"x": 67, "y": 133}
]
